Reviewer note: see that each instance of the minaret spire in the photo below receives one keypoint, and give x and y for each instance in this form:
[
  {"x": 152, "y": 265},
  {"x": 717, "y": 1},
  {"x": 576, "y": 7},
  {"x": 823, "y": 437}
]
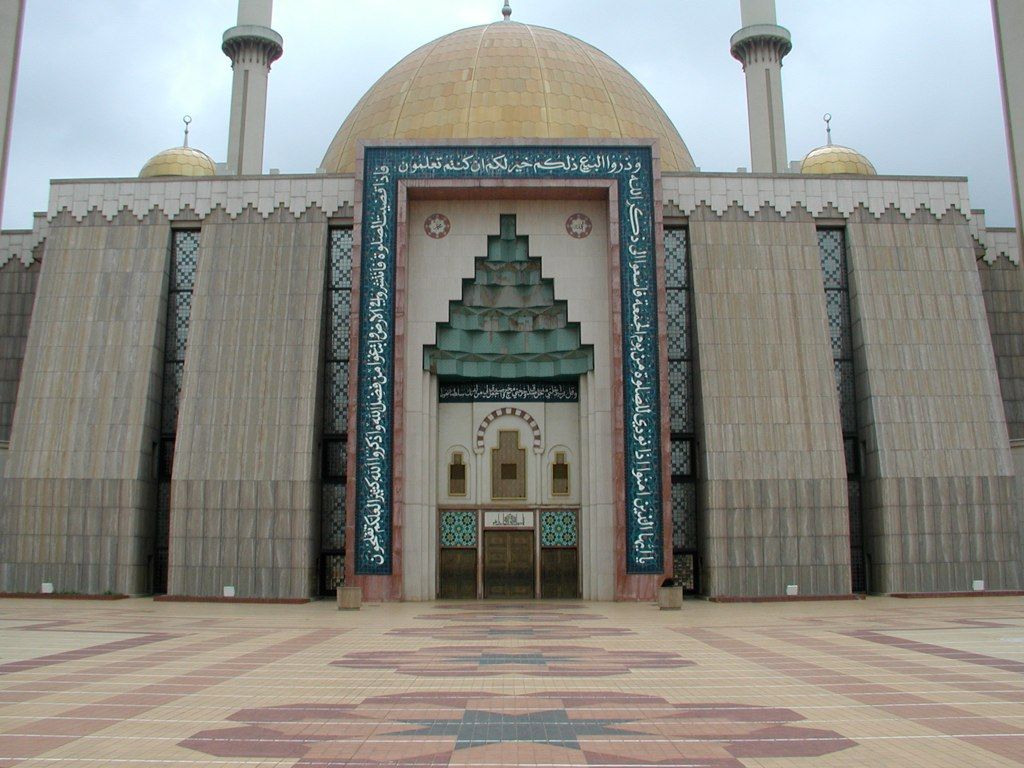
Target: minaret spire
[
  {"x": 760, "y": 46},
  {"x": 12, "y": 17},
  {"x": 827, "y": 117},
  {"x": 506, "y": 11},
  {"x": 252, "y": 47},
  {"x": 186, "y": 120},
  {"x": 1008, "y": 19}
]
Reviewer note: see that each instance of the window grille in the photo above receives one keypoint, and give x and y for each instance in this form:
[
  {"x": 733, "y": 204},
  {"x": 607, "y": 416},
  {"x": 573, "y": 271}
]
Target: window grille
[
  {"x": 832, "y": 249},
  {"x": 184, "y": 260},
  {"x": 681, "y": 409},
  {"x": 334, "y": 436}
]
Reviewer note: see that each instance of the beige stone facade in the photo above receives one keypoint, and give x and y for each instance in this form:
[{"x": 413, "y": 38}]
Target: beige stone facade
[
  {"x": 509, "y": 342},
  {"x": 774, "y": 490},
  {"x": 935, "y": 385}
]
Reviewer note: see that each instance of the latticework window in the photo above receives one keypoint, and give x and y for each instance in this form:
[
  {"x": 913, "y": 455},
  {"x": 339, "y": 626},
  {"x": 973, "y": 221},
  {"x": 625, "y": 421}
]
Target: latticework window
[
  {"x": 681, "y": 408},
  {"x": 832, "y": 249},
  {"x": 334, "y": 467},
  {"x": 184, "y": 260}
]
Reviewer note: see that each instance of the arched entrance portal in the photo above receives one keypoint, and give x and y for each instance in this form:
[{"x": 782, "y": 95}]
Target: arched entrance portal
[{"x": 509, "y": 364}]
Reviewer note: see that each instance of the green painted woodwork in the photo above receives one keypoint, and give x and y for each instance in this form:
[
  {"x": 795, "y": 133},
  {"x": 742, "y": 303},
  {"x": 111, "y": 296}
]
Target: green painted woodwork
[{"x": 508, "y": 324}]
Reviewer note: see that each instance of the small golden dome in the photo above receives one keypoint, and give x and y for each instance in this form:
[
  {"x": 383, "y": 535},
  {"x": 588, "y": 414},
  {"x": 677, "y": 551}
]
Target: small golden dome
[
  {"x": 503, "y": 81},
  {"x": 834, "y": 159},
  {"x": 179, "y": 161}
]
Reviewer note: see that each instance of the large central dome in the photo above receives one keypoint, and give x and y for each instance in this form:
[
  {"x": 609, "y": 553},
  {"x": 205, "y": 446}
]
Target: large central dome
[{"x": 503, "y": 81}]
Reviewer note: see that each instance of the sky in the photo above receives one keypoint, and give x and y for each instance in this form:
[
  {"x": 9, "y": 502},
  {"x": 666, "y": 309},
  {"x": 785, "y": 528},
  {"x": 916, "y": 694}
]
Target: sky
[{"x": 103, "y": 84}]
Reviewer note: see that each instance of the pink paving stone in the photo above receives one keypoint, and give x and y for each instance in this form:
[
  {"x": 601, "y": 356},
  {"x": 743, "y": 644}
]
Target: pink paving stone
[{"x": 716, "y": 686}]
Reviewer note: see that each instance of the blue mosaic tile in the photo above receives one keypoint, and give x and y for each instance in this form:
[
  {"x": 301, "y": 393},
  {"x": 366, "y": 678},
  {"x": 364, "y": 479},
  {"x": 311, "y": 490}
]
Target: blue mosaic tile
[
  {"x": 458, "y": 528},
  {"x": 558, "y": 528}
]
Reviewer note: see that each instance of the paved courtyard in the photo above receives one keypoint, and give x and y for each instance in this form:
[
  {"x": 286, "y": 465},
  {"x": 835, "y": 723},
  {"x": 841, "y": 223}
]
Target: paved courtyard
[{"x": 879, "y": 682}]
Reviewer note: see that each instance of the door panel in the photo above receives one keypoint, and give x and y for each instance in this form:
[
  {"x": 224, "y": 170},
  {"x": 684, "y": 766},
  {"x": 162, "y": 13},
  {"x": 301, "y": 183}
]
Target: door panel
[
  {"x": 559, "y": 573},
  {"x": 458, "y": 574},
  {"x": 508, "y": 564}
]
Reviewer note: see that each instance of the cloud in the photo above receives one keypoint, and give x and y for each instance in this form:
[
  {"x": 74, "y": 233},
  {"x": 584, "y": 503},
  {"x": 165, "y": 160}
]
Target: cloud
[{"x": 104, "y": 83}]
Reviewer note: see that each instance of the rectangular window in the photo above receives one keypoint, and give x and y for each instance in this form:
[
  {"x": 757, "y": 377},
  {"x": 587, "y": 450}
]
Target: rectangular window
[
  {"x": 457, "y": 476},
  {"x": 560, "y": 476}
]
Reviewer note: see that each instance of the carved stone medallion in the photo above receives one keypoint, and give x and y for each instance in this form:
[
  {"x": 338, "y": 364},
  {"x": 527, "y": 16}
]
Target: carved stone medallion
[
  {"x": 437, "y": 226},
  {"x": 579, "y": 225}
]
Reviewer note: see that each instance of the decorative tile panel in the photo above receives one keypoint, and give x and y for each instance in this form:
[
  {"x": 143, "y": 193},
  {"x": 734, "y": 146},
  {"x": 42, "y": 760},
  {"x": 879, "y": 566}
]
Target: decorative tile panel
[
  {"x": 558, "y": 528},
  {"x": 458, "y": 528},
  {"x": 630, "y": 167}
]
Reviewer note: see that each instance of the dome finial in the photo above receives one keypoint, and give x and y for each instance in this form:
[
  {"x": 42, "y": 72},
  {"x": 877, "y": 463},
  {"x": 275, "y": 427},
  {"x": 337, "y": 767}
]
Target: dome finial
[
  {"x": 506, "y": 11},
  {"x": 828, "y": 127},
  {"x": 186, "y": 120}
]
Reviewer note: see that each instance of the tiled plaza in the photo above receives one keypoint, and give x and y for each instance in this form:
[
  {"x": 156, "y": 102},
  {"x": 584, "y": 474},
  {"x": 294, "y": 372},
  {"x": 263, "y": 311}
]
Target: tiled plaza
[{"x": 878, "y": 682}]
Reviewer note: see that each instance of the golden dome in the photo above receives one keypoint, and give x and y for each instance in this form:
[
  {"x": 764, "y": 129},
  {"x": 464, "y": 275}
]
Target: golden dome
[
  {"x": 502, "y": 81},
  {"x": 179, "y": 161},
  {"x": 834, "y": 159}
]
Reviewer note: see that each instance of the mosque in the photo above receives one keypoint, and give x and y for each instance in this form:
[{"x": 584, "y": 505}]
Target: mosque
[{"x": 509, "y": 342}]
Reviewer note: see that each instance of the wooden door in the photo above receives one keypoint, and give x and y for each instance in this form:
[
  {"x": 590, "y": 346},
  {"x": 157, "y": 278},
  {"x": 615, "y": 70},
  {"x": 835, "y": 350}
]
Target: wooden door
[
  {"x": 508, "y": 564},
  {"x": 458, "y": 574},
  {"x": 559, "y": 573}
]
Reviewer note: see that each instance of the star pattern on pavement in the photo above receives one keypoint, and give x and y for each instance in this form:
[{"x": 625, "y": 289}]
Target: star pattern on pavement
[{"x": 551, "y": 726}]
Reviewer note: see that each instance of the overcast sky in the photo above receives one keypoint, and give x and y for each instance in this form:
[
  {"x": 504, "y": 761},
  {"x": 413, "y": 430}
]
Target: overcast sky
[{"x": 103, "y": 84}]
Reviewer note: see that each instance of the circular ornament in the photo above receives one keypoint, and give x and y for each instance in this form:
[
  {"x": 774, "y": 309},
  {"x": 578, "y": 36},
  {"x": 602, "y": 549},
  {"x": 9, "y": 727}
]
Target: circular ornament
[
  {"x": 437, "y": 226},
  {"x": 579, "y": 225}
]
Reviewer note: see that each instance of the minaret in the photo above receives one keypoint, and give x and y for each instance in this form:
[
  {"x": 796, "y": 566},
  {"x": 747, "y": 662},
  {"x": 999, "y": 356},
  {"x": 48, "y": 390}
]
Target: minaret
[
  {"x": 12, "y": 16},
  {"x": 1008, "y": 19},
  {"x": 252, "y": 47},
  {"x": 760, "y": 46}
]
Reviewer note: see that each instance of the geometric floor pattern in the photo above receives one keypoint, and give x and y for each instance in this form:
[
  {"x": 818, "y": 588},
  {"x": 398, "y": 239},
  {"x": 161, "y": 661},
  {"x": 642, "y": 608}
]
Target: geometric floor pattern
[{"x": 875, "y": 682}]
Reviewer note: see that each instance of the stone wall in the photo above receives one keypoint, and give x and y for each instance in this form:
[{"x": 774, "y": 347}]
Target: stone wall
[
  {"x": 938, "y": 490},
  {"x": 77, "y": 503},
  {"x": 773, "y": 495},
  {"x": 244, "y": 499},
  {"x": 1002, "y": 284},
  {"x": 17, "y": 294}
]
